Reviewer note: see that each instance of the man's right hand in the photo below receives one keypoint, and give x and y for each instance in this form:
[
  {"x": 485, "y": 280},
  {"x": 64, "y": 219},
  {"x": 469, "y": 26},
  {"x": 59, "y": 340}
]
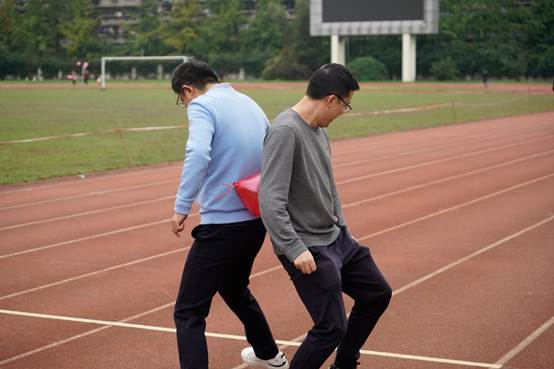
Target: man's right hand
[
  {"x": 305, "y": 262},
  {"x": 178, "y": 223}
]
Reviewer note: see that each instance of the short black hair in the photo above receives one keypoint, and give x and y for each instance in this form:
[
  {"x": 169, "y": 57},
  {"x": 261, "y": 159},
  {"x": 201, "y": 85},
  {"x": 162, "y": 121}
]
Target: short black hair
[
  {"x": 192, "y": 72},
  {"x": 331, "y": 79}
]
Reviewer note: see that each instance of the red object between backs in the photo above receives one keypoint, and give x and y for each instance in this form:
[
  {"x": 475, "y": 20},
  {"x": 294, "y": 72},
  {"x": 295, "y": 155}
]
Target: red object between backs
[{"x": 248, "y": 192}]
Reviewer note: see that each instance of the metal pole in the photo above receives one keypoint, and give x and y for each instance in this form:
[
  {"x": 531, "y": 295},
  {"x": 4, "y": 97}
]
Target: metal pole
[
  {"x": 408, "y": 57},
  {"x": 103, "y": 77},
  {"x": 338, "y": 49}
]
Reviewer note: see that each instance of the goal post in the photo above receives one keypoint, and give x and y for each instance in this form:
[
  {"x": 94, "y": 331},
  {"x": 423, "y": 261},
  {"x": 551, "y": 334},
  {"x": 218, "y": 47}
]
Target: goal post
[{"x": 129, "y": 58}]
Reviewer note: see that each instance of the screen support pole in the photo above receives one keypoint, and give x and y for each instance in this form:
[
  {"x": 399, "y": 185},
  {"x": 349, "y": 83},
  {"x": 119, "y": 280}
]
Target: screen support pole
[
  {"x": 338, "y": 49},
  {"x": 408, "y": 57}
]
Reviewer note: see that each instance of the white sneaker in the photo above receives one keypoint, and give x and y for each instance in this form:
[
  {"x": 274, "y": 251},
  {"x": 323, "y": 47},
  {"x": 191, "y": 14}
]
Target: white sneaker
[{"x": 249, "y": 357}]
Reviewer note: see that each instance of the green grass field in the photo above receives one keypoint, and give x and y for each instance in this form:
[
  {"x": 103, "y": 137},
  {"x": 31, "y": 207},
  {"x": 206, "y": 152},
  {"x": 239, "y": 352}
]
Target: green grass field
[{"x": 32, "y": 113}]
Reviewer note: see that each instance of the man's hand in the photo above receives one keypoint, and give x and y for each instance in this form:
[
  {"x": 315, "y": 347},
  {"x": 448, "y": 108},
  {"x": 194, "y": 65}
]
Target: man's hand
[
  {"x": 178, "y": 223},
  {"x": 305, "y": 262}
]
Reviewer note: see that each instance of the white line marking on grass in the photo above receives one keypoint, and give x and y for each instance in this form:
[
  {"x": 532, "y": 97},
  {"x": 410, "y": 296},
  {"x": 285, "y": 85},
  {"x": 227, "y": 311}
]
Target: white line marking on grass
[
  {"x": 107, "y": 323},
  {"x": 526, "y": 342},
  {"x": 95, "y": 193},
  {"x": 176, "y": 166},
  {"x": 168, "y": 197},
  {"x": 165, "y": 220},
  {"x": 90, "y": 133}
]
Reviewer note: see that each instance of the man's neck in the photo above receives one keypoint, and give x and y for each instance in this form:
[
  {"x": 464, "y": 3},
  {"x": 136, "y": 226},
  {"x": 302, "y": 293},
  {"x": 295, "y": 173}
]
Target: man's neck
[{"x": 307, "y": 109}]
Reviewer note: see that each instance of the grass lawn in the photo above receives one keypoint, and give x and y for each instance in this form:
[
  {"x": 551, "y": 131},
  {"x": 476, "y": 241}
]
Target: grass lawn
[{"x": 39, "y": 112}]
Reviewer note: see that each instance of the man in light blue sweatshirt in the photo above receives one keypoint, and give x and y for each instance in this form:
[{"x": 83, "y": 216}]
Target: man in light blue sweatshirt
[{"x": 226, "y": 131}]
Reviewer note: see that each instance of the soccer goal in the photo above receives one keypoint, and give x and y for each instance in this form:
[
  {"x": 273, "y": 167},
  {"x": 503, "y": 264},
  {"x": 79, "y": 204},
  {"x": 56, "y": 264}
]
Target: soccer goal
[{"x": 131, "y": 58}]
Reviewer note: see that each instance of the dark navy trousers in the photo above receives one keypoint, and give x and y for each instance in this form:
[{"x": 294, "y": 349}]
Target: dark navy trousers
[
  {"x": 220, "y": 260},
  {"x": 343, "y": 266}
]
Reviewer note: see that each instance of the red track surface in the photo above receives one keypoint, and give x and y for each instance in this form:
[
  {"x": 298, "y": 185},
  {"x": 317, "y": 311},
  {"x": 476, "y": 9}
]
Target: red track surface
[{"x": 459, "y": 218}]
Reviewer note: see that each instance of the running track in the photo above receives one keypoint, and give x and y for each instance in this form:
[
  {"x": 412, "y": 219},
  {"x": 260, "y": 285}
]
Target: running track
[{"x": 459, "y": 218}]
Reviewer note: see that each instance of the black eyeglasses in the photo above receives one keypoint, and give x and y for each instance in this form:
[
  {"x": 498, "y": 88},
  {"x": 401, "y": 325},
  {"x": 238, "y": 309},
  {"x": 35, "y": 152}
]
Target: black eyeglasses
[
  {"x": 347, "y": 106},
  {"x": 180, "y": 102}
]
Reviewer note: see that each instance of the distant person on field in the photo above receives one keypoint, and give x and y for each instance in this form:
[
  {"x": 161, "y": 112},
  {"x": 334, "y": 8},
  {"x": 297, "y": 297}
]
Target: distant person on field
[
  {"x": 226, "y": 131},
  {"x": 72, "y": 77},
  {"x": 301, "y": 209},
  {"x": 485, "y": 76},
  {"x": 85, "y": 73}
]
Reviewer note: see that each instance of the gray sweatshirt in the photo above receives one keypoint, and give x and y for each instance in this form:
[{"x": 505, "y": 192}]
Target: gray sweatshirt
[{"x": 298, "y": 198}]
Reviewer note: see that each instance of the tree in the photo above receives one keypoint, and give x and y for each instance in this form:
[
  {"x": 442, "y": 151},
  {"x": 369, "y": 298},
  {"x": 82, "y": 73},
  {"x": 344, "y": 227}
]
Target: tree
[
  {"x": 181, "y": 28},
  {"x": 79, "y": 30},
  {"x": 479, "y": 35},
  {"x": 540, "y": 42},
  {"x": 262, "y": 37},
  {"x": 146, "y": 34},
  {"x": 310, "y": 51}
]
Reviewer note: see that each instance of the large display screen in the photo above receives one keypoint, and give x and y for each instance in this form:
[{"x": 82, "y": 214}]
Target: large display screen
[{"x": 372, "y": 10}]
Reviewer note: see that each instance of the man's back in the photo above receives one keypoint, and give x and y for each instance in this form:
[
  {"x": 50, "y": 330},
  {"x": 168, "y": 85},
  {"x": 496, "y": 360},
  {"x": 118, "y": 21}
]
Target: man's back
[{"x": 226, "y": 131}]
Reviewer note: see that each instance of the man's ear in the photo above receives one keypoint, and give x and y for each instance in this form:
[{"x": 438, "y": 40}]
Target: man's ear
[{"x": 187, "y": 90}]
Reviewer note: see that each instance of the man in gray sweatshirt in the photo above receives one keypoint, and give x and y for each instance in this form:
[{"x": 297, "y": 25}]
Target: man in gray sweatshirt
[{"x": 301, "y": 210}]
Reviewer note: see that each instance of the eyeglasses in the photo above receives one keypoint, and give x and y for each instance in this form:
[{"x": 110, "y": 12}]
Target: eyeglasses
[
  {"x": 180, "y": 102},
  {"x": 346, "y": 107}
]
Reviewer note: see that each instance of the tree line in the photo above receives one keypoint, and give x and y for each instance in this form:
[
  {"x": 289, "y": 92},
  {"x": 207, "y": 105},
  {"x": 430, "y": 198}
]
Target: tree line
[{"x": 505, "y": 38}]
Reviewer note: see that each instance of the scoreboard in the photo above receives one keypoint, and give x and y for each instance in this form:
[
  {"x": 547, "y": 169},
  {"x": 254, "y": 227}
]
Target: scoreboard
[{"x": 373, "y": 17}]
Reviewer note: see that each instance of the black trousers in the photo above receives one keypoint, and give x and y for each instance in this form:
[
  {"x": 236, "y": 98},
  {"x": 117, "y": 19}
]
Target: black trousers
[
  {"x": 343, "y": 266},
  {"x": 220, "y": 260}
]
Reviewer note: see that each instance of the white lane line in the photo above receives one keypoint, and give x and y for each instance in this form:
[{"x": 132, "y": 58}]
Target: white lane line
[
  {"x": 84, "y": 334},
  {"x": 472, "y": 255},
  {"x": 77, "y": 240},
  {"x": 526, "y": 342},
  {"x": 95, "y": 193},
  {"x": 435, "y": 273},
  {"x": 90, "y": 274},
  {"x": 449, "y": 158},
  {"x": 156, "y": 183},
  {"x": 137, "y": 203},
  {"x": 283, "y": 344},
  {"x": 48, "y": 220},
  {"x": 428, "y": 216},
  {"x": 445, "y": 179},
  {"x": 129, "y": 172},
  {"x": 106, "y": 323},
  {"x": 456, "y": 207},
  {"x": 386, "y": 141},
  {"x": 121, "y": 324},
  {"x": 424, "y": 149},
  {"x": 296, "y": 342},
  {"x": 165, "y": 220}
]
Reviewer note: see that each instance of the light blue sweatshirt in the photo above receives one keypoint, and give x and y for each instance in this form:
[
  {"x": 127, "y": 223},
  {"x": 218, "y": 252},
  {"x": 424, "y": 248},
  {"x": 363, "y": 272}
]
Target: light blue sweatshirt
[{"x": 226, "y": 133}]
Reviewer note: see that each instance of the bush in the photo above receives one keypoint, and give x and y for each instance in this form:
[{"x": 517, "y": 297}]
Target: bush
[
  {"x": 367, "y": 68},
  {"x": 445, "y": 69},
  {"x": 284, "y": 66}
]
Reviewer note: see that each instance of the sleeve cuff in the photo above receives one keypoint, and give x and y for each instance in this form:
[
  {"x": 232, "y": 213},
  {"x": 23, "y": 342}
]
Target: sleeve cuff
[
  {"x": 292, "y": 252},
  {"x": 183, "y": 208}
]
